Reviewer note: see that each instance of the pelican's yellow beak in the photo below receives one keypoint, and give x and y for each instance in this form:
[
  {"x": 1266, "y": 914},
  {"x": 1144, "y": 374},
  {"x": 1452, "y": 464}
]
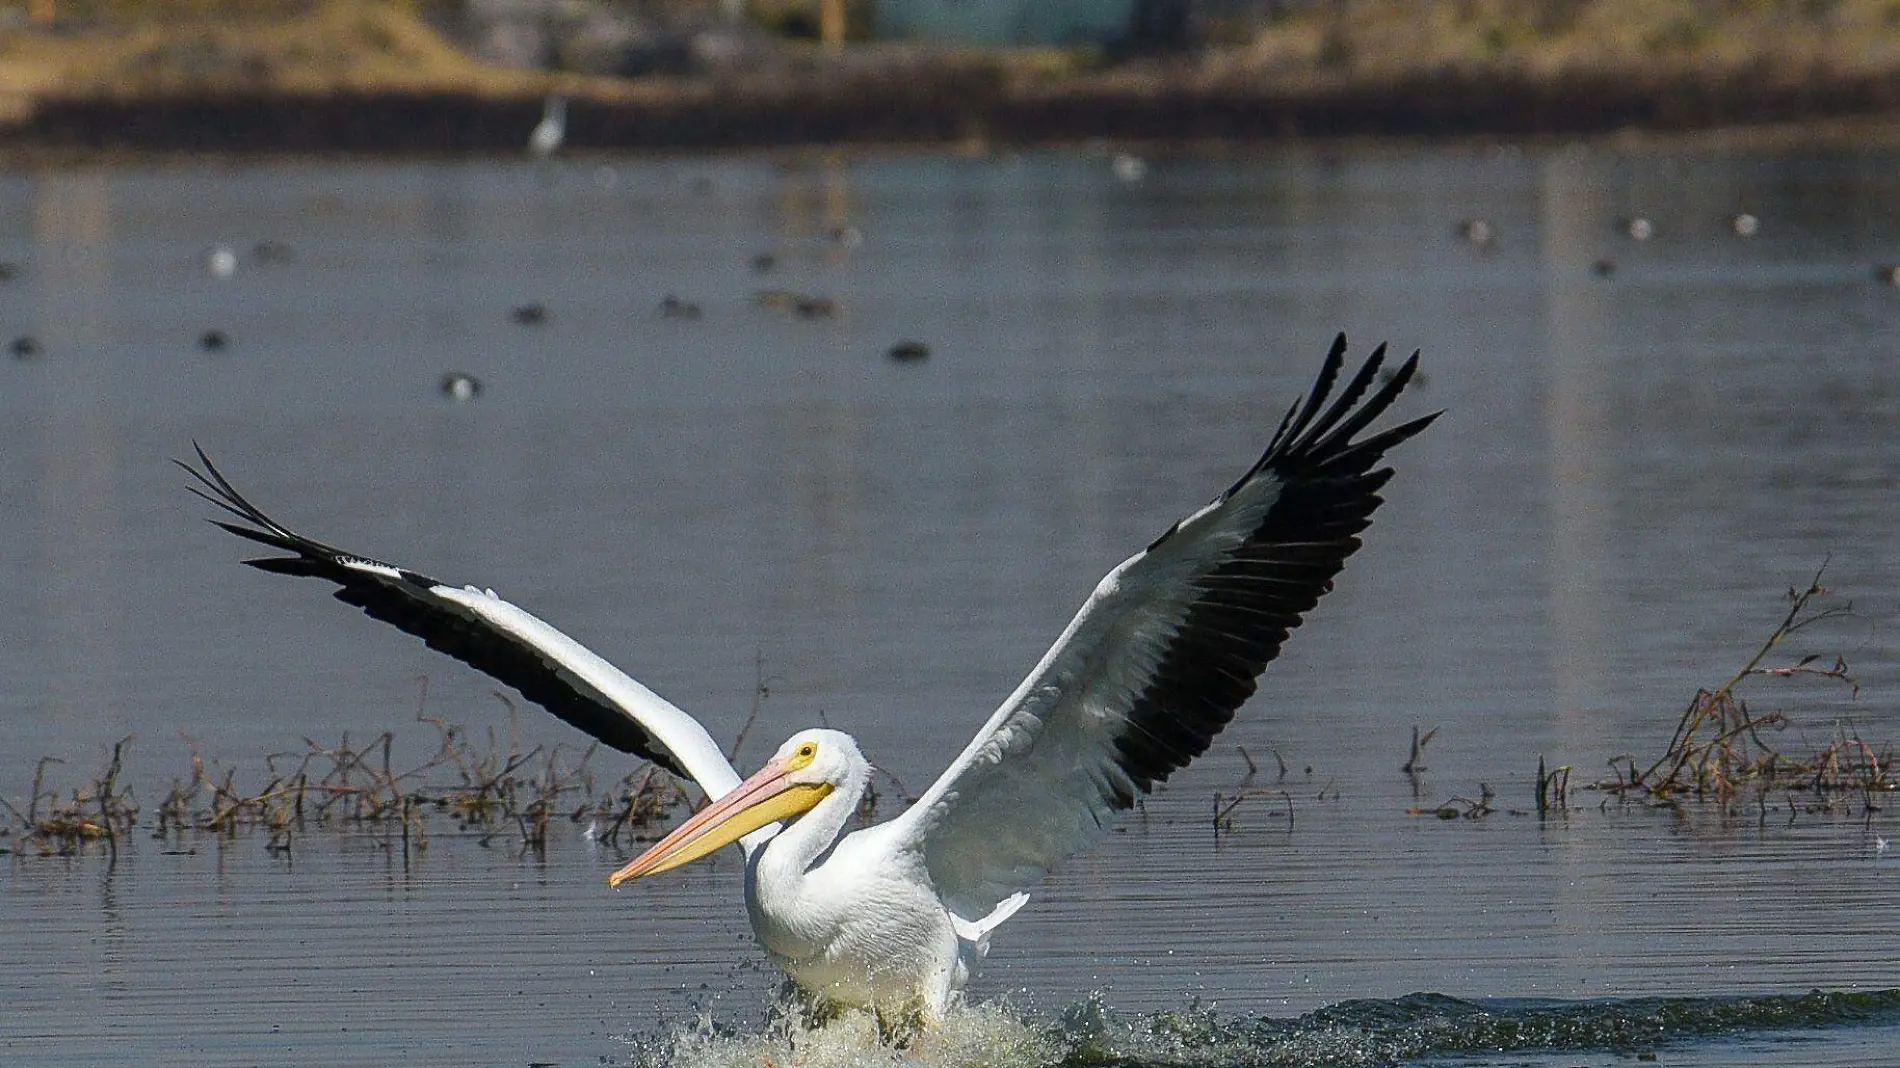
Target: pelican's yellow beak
[{"x": 767, "y": 797}]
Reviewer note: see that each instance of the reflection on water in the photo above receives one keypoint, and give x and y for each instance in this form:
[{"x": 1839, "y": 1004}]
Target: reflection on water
[{"x": 1632, "y": 470}]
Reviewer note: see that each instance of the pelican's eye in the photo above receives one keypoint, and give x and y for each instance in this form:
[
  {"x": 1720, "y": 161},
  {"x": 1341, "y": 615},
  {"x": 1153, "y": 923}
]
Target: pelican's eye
[{"x": 805, "y": 755}]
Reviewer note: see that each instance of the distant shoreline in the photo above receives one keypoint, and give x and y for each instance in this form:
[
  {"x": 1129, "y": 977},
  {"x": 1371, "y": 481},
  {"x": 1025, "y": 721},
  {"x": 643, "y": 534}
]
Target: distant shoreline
[{"x": 956, "y": 105}]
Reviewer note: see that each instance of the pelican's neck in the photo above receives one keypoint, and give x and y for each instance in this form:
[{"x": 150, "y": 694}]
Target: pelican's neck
[{"x": 777, "y": 869}]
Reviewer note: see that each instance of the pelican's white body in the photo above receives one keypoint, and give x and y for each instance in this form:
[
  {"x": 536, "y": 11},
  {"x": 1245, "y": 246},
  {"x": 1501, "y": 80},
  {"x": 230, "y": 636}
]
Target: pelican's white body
[
  {"x": 864, "y": 928},
  {"x": 857, "y": 920}
]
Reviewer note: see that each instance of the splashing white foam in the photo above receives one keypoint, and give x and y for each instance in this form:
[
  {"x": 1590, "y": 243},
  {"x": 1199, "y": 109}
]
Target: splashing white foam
[{"x": 971, "y": 1036}]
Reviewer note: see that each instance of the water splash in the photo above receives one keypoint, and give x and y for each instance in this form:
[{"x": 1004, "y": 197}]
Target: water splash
[
  {"x": 989, "y": 1035},
  {"x": 1352, "y": 1034}
]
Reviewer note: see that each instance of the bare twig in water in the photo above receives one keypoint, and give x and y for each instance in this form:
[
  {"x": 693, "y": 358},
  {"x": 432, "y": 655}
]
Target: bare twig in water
[
  {"x": 761, "y": 692},
  {"x": 1553, "y": 789},
  {"x": 1415, "y": 763},
  {"x": 1225, "y": 806},
  {"x": 97, "y": 812},
  {"x": 1461, "y": 807}
]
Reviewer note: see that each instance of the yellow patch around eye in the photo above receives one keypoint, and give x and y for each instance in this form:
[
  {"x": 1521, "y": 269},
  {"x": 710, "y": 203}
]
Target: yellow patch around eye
[{"x": 805, "y": 755}]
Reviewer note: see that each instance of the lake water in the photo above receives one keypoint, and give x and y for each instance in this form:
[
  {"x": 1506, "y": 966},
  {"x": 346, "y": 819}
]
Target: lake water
[{"x": 1633, "y": 471}]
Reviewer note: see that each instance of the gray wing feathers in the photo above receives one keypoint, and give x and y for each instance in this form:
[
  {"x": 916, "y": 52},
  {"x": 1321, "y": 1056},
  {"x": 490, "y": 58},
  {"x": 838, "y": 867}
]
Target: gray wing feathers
[{"x": 1170, "y": 643}]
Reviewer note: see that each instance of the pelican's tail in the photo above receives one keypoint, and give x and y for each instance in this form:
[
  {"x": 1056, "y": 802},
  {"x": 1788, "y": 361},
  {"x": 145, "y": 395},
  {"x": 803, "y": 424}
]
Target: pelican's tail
[{"x": 977, "y": 932}]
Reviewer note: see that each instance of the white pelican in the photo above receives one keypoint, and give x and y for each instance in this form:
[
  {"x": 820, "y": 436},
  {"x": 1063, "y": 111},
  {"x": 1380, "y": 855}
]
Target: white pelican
[
  {"x": 546, "y": 137},
  {"x": 221, "y": 261},
  {"x": 892, "y": 917}
]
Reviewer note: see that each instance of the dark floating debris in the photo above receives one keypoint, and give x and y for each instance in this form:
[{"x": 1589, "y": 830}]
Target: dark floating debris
[
  {"x": 1636, "y": 227},
  {"x": 268, "y": 251},
  {"x": 213, "y": 340},
  {"x": 1887, "y": 274},
  {"x": 803, "y": 305},
  {"x": 764, "y": 262},
  {"x": 24, "y": 347},
  {"x": 847, "y": 236},
  {"x": 533, "y": 313},
  {"x": 909, "y": 351},
  {"x": 1603, "y": 268},
  {"x": 1744, "y": 224},
  {"x": 1418, "y": 379},
  {"x": 9, "y": 271},
  {"x": 815, "y": 307},
  {"x": 461, "y": 386},
  {"x": 675, "y": 308}
]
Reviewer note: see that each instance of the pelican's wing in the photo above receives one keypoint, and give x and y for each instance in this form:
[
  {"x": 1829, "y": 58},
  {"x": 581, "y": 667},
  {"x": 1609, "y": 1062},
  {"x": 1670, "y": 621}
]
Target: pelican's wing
[
  {"x": 487, "y": 633},
  {"x": 1166, "y": 648}
]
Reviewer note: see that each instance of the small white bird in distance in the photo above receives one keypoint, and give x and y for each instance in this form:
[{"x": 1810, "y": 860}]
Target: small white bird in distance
[{"x": 548, "y": 134}]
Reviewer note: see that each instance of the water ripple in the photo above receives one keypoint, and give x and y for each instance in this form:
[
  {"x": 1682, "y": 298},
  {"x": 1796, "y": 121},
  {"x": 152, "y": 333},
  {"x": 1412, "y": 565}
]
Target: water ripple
[{"x": 1366, "y": 1033}]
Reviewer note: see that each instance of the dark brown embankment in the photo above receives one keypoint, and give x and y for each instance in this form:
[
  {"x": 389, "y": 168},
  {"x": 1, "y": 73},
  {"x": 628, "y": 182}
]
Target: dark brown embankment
[{"x": 955, "y": 106}]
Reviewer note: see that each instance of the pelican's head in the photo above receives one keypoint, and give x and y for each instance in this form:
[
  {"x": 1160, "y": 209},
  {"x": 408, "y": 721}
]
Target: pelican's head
[{"x": 805, "y": 770}]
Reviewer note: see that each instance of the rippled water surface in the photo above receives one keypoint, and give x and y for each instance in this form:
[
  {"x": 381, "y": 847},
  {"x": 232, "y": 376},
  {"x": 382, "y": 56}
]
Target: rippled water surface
[{"x": 1637, "y": 462}]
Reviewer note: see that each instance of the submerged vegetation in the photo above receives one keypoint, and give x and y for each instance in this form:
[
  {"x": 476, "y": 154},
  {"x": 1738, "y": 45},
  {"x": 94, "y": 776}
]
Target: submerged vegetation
[
  {"x": 1723, "y": 754},
  {"x": 486, "y": 787},
  {"x": 478, "y": 784}
]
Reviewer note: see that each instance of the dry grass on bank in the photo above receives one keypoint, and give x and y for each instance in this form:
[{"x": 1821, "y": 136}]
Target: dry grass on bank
[
  {"x": 156, "y": 47},
  {"x": 196, "y": 47},
  {"x": 1386, "y": 39}
]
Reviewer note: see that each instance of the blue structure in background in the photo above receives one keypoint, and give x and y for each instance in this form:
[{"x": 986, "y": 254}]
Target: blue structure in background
[{"x": 994, "y": 23}]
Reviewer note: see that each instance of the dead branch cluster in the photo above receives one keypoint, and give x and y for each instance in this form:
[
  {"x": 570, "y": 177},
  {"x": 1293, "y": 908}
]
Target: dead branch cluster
[
  {"x": 99, "y": 812},
  {"x": 1723, "y": 751},
  {"x": 490, "y": 788}
]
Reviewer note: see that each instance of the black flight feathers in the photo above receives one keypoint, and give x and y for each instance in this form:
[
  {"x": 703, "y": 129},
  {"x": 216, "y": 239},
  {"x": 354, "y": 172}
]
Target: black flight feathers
[
  {"x": 1242, "y": 606},
  {"x": 1330, "y": 439},
  {"x": 313, "y": 560},
  {"x": 407, "y": 601}
]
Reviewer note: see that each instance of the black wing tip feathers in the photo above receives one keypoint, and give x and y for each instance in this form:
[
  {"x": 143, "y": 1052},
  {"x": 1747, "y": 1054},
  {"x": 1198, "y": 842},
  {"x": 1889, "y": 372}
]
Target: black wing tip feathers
[
  {"x": 1304, "y": 432},
  {"x": 218, "y": 490},
  {"x": 1303, "y": 412},
  {"x": 287, "y": 565},
  {"x": 1387, "y": 439},
  {"x": 317, "y": 560}
]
